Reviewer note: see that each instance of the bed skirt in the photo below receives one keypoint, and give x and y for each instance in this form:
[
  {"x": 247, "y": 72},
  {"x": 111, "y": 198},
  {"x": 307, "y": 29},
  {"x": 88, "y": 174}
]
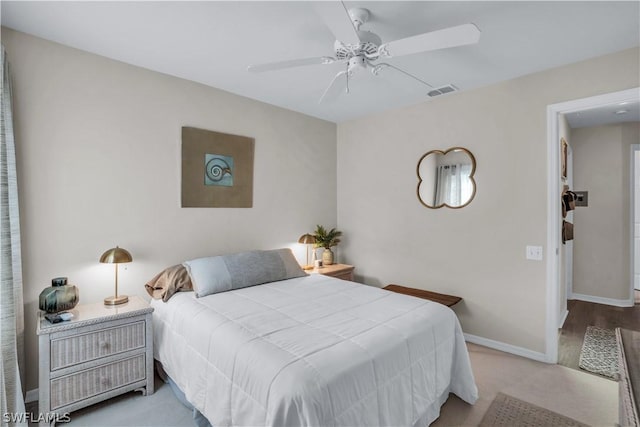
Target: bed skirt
[{"x": 198, "y": 419}]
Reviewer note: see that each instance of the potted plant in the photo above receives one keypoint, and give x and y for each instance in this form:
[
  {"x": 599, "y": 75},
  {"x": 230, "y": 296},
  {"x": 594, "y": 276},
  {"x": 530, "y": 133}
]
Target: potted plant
[{"x": 327, "y": 239}]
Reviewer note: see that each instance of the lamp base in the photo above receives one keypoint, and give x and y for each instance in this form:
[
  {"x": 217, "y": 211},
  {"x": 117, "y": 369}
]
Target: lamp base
[{"x": 120, "y": 299}]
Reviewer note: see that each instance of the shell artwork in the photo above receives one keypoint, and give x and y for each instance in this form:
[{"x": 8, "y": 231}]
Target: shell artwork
[{"x": 218, "y": 170}]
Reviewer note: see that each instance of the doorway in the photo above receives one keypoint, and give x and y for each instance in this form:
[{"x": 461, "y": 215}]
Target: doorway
[{"x": 555, "y": 302}]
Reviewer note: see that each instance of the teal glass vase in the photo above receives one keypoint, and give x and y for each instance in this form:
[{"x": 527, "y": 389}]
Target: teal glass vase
[{"x": 59, "y": 296}]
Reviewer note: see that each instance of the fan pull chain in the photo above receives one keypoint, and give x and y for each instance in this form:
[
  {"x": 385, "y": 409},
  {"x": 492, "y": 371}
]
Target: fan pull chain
[{"x": 346, "y": 89}]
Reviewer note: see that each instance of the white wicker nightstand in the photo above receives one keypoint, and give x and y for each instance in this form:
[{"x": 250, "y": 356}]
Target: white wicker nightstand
[{"x": 102, "y": 352}]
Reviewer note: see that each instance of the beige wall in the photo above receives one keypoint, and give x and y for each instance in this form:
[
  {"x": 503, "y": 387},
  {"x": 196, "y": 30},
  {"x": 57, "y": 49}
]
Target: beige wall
[
  {"x": 98, "y": 158},
  {"x": 98, "y": 150},
  {"x": 601, "y": 159},
  {"x": 477, "y": 252}
]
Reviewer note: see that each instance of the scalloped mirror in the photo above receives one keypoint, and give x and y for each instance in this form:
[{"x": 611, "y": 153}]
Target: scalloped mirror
[{"x": 445, "y": 178}]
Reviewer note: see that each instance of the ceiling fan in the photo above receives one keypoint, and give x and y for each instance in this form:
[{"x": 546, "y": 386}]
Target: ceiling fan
[{"x": 359, "y": 49}]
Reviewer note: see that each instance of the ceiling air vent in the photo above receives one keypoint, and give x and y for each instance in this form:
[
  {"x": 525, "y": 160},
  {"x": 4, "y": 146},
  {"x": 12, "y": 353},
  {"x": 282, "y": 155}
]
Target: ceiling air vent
[{"x": 442, "y": 90}]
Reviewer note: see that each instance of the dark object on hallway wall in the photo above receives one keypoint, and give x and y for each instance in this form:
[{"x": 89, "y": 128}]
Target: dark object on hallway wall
[
  {"x": 582, "y": 198},
  {"x": 563, "y": 158},
  {"x": 568, "y": 200},
  {"x": 567, "y": 231}
]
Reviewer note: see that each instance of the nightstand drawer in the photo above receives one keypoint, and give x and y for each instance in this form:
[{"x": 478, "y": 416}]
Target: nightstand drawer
[
  {"x": 347, "y": 275},
  {"x": 76, "y": 349},
  {"x": 82, "y": 385},
  {"x": 339, "y": 271}
]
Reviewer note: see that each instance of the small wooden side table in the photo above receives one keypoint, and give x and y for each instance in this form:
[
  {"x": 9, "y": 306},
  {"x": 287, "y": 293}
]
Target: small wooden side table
[
  {"x": 445, "y": 299},
  {"x": 339, "y": 271}
]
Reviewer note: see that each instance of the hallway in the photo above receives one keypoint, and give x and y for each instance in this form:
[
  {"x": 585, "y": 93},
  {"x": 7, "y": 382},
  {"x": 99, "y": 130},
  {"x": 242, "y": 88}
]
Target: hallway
[{"x": 583, "y": 314}]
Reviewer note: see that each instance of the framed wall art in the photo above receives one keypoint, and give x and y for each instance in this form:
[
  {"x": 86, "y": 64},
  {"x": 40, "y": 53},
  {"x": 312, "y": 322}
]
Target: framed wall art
[
  {"x": 563, "y": 158},
  {"x": 217, "y": 169}
]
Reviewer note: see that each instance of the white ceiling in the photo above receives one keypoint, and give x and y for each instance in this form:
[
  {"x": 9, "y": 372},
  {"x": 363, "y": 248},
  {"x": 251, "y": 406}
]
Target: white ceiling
[
  {"x": 608, "y": 114},
  {"x": 214, "y": 42}
]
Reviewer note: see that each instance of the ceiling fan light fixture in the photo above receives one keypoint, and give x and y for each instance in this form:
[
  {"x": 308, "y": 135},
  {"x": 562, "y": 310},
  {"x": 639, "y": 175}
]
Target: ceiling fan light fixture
[
  {"x": 359, "y": 49},
  {"x": 357, "y": 63}
]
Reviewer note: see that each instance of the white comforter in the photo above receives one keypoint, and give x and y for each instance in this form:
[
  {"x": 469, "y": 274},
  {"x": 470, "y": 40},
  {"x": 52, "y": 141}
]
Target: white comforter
[{"x": 313, "y": 351}]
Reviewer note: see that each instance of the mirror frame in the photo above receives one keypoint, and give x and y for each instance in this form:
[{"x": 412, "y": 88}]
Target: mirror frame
[{"x": 473, "y": 181}]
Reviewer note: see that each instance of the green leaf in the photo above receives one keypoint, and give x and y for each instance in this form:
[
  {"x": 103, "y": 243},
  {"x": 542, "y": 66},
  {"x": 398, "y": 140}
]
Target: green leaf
[{"x": 326, "y": 239}]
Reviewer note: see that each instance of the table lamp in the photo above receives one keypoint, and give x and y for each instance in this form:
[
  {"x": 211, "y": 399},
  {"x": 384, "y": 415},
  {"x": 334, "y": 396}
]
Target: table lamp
[
  {"x": 116, "y": 256},
  {"x": 307, "y": 239}
]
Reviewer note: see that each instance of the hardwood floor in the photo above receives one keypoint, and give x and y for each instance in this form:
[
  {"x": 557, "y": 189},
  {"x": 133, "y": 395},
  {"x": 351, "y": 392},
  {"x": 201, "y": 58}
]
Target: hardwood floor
[{"x": 583, "y": 314}]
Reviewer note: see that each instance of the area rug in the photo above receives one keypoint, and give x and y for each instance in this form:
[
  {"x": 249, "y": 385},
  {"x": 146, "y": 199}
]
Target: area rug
[
  {"x": 507, "y": 411},
  {"x": 600, "y": 352}
]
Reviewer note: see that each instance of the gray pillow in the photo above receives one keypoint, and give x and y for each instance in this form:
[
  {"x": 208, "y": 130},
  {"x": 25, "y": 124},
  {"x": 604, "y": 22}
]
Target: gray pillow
[{"x": 223, "y": 273}]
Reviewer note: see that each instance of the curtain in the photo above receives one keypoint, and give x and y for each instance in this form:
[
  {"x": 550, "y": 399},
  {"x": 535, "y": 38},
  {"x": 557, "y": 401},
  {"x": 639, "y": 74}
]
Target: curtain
[
  {"x": 453, "y": 185},
  {"x": 11, "y": 307}
]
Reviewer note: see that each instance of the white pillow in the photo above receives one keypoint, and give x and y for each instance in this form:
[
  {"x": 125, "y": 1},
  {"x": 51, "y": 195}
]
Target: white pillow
[
  {"x": 211, "y": 275},
  {"x": 208, "y": 275}
]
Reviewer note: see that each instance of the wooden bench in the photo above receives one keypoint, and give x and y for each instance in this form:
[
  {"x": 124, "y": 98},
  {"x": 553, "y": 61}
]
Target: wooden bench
[{"x": 447, "y": 300}]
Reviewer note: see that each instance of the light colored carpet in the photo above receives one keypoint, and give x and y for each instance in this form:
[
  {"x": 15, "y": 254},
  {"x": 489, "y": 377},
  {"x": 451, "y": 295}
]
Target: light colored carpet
[
  {"x": 507, "y": 411},
  {"x": 599, "y": 352},
  {"x": 134, "y": 410},
  {"x": 587, "y": 398}
]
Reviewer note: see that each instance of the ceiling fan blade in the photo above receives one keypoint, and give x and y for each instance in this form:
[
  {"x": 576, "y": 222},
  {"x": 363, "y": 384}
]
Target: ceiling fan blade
[
  {"x": 336, "y": 16},
  {"x": 290, "y": 64},
  {"x": 338, "y": 85},
  {"x": 379, "y": 70},
  {"x": 449, "y": 37}
]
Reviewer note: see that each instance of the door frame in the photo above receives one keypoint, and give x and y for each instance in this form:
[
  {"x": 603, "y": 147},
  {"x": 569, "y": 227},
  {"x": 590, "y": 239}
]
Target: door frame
[
  {"x": 632, "y": 216},
  {"x": 568, "y": 261},
  {"x": 553, "y": 204}
]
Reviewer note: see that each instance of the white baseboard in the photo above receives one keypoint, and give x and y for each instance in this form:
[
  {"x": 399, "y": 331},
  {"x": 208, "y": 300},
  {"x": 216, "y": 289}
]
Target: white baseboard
[
  {"x": 32, "y": 396},
  {"x": 602, "y": 300},
  {"x": 563, "y": 319},
  {"x": 507, "y": 348}
]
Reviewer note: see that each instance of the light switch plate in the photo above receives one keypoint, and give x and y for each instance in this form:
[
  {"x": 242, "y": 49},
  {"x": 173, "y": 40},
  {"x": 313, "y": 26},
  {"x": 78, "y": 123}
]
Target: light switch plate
[
  {"x": 534, "y": 253},
  {"x": 582, "y": 198}
]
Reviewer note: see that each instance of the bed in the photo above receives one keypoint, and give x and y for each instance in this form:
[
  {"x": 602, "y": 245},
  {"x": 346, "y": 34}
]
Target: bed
[{"x": 312, "y": 351}]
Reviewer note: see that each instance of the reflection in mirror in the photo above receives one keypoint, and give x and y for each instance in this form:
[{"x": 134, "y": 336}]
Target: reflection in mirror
[{"x": 446, "y": 178}]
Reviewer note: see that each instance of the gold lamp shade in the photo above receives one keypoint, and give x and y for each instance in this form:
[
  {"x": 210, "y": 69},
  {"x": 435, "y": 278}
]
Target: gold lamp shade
[
  {"x": 116, "y": 256},
  {"x": 307, "y": 239}
]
